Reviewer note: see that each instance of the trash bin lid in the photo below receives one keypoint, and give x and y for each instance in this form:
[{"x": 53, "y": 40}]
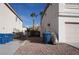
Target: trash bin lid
[{"x": 47, "y": 33}]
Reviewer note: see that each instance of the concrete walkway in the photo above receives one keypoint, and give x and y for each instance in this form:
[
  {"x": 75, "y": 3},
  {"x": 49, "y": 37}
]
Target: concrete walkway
[
  {"x": 35, "y": 46},
  {"x": 10, "y": 48}
]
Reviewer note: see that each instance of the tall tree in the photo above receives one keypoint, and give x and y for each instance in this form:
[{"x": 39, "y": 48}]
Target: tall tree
[
  {"x": 33, "y": 15},
  {"x": 41, "y": 14}
]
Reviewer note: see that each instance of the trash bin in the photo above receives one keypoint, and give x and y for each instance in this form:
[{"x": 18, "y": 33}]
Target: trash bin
[
  {"x": 8, "y": 37},
  {"x": 47, "y": 37},
  {"x": 5, "y": 38},
  {"x": 1, "y": 38}
]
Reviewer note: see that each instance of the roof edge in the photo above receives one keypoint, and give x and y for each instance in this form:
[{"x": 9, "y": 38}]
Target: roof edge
[
  {"x": 46, "y": 9},
  {"x": 7, "y": 4}
]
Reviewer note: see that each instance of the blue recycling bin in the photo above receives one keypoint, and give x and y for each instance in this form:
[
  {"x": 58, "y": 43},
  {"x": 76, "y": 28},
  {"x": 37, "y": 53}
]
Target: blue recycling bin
[
  {"x": 1, "y": 38},
  {"x": 5, "y": 38},
  {"x": 8, "y": 37},
  {"x": 47, "y": 37}
]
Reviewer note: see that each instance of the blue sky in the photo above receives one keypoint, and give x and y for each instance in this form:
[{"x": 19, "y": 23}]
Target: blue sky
[{"x": 25, "y": 9}]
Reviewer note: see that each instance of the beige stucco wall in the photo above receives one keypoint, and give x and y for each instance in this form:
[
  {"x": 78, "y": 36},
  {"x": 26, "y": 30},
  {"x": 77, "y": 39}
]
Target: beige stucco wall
[
  {"x": 68, "y": 33},
  {"x": 51, "y": 18},
  {"x": 7, "y": 19}
]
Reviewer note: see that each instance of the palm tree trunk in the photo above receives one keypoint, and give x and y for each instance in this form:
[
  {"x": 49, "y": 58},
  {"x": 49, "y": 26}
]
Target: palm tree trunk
[
  {"x": 33, "y": 24},
  {"x": 41, "y": 28}
]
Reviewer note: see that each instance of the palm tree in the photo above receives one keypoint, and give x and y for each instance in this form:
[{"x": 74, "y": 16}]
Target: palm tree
[
  {"x": 33, "y": 15},
  {"x": 41, "y": 14}
]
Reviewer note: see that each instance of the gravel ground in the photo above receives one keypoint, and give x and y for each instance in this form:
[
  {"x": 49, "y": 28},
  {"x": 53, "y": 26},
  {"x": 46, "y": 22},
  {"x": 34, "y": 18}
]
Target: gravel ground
[{"x": 35, "y": 46}]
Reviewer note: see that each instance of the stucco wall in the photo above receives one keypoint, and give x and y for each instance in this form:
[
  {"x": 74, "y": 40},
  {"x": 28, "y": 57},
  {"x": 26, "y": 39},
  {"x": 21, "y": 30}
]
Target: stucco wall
[
  {"x": 51, "y": 17},
  {"x": 72, "y": 8},
  {"x": 19, "y": 24},
  {"x": 68, "y": 33},
  {"x": 7, "y": 19}
]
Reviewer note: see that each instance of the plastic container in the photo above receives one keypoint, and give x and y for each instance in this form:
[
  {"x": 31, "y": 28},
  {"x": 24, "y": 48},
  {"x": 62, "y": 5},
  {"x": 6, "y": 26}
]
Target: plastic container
[
  {"x": 5, "y": 38},
  {"x": 1, "y": 38},
  {"x": 47, "y": 37}
]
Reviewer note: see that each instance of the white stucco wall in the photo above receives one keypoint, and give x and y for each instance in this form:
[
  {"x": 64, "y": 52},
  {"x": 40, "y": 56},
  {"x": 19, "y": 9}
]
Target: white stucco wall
[
  {"x": 72, "y": 8},
  {"x": 68, "y": 33},
  {"x": 19, "y": 25},
  {"x": 51, "y": 18},
  {"x": 7, "y": 19}
]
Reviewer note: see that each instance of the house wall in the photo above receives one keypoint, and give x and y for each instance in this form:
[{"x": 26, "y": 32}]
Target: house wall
[
  {"x": 7, "y": 20},
  {"x": 69, "y": 24},
  {"x": 50, "y": 17},
  {"x": 18, "y": 25}
]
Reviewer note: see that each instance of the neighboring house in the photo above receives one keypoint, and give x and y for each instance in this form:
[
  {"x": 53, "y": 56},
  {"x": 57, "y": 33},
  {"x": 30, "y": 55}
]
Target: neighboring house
[
  {"x": 69, "y": 23},
  {"x": 50, "y": 18},
  {"x": 9, "y": 20},
  {"x": 65, "y": 18}
]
